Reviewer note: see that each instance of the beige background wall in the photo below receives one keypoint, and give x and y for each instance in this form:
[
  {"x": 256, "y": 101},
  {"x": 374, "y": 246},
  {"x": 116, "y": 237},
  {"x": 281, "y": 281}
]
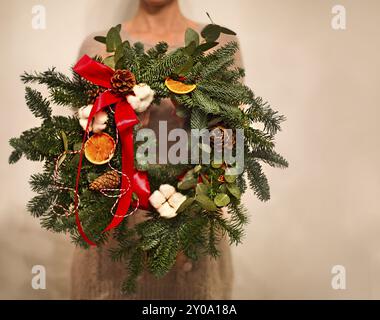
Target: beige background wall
[{"x": 324, "y": 209}]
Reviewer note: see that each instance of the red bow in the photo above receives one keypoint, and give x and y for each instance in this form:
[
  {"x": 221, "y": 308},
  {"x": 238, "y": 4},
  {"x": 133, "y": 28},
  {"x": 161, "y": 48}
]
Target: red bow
[{"x": 125, "y": 119}]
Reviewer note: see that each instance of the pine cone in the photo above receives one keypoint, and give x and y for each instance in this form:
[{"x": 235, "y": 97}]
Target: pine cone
[
  {"x": 108, "y": 180},
  {"x": 222, "y": 138},
  {"x": 123, "y": 81},
  {"x": 92, "y": 94}
]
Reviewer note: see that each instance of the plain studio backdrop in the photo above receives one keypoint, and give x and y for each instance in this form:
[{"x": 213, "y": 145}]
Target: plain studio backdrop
[{"x": 324, "y": 209}]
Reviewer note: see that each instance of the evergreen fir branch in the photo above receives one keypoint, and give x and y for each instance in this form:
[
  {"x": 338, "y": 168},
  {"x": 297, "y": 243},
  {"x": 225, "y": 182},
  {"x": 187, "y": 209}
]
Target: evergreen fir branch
[
  {"x": 204, "y": 102},
  {"x": 270, "y": 157},
  {"x": 39, "y": 106},
  {"x": 233, "y": 75},
  {"x": 40, "y": 204},
  {"x": 226, "y": 51},
  {"x": 256, "y": 177},
  {"x": 185, "y": 100},
  {"x": 262, "y": 112},
  {"x": 164, "y": 255},
  {"x": 59, "y": 84},
  {"x": 198, "y": 119},
  {"x": 164, "y": 67},
  {"x": 256, "y": 138},
  {"x": 192, "y": 234},
  {"x": 213, "y": 239},
  {"x": 238, "y": 213},
  {"x": 14, "y": 156},
  {"x": 41, "y": 182},
  {"x": 216, "y": 68},
  {"x": 135, "y": 266},
  {"x": 233, "y": 230},
  {"x": 158, "y": 51}
]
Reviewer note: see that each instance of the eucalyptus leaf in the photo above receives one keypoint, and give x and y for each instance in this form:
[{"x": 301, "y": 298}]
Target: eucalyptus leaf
[
  {"x": 230, "y": 175},
  {"x": 205, "y": 46},
  {"x": 211, "y": 32},
  {"x": 227, "y": 31},
  {"x": 222, "y": 199},
  {"x": 113, "y": 39},
  {"x": 187, "y": 203},
  {"x": 201, "y": 189},
  {"x": 189, "y": 50},
  {"x": 189, "y": 175},
  {"x": 197, "y": 168},
  {"x": 183, "y": 69},
  {"x": 216, "y": 165},
  {"x": 110, "y": 62},
  {"x": 119, "y": 53},
  {"x": 234, "y": 190},
  {"x": 187, "y": 184},
  {"x": 206, "y": 203},
  {"x": 101, "y": 39},
  {"x": 230, "y": 178},
  {"x": 61, "y": 159},
  {"x": 191, "y": 36},
  {"x": 65, "y": 141}
]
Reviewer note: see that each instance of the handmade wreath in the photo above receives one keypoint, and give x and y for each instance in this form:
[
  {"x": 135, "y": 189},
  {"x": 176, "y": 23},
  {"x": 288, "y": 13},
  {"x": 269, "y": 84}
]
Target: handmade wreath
[{"x": 95, "y": 177}]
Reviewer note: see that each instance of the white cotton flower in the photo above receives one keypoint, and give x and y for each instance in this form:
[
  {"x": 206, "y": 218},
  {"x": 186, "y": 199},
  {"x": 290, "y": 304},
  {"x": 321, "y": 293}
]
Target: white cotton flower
[
  {"x": 156, "y": 199},
  {"x": 98, "y": 127},
  {"x": 84, "y": 112},
  {"x": 166, "y": 211},
  {"x": 99, "y": 122},
  {"x": 100, "y": 117},
  {"x": 143, "y": 91},
  {"x": 176, "y": 200},
  {"x": 134, "y": 102},
  {"x": 167, "y": 190},
  {"x": 166, "y": 200},
  {"x": 83, "y": 124},
  {"x": 143, "y": 97}
]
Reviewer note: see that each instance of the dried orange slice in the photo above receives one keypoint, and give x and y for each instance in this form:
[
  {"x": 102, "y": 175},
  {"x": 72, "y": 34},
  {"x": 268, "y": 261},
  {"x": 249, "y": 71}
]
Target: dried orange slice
[
  {"x": 179, "y": 87},
  {"x": 99, "y": 148}
]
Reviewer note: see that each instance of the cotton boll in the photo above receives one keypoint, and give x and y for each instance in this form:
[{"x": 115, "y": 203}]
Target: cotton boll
[
  {"x": 100, "y": 117},
  {"x": 142, "y": 91},
  {"x": 144, "y": 104},
  {"x": 176, "y": 200},
  {"x": 84, "y": 112},
  {"x": 83, "y": 123},
  {"x": 98, "y": 127},
  {"x": 134, "y": 102},
  {"x": 156, "y": 199},
  {"x": 166, "y": 211},
  {"x": 142, "y": 107},
  {"x": 167, "y": 190}
]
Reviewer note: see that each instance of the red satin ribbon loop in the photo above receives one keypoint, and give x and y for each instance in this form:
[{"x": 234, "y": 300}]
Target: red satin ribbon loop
[{"x": 125, "y": 119}]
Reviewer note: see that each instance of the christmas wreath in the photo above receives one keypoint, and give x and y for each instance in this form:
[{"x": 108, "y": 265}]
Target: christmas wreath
[{"x": 94, "y": 178}]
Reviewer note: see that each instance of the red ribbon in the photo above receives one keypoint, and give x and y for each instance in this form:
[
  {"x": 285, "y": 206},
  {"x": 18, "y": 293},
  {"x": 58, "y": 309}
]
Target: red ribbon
[{"x": 125, "y": 119}]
